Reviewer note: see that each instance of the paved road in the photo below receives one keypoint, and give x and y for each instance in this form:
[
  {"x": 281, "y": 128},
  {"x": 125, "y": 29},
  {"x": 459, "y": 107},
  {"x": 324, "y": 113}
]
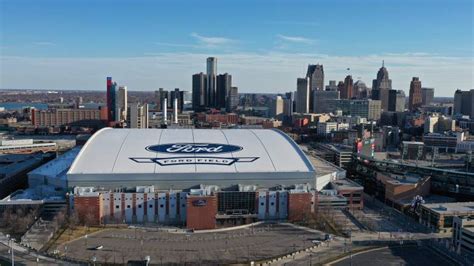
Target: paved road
[
  {"x": 396, "y": 256},
  {"x": 23, "y": 256}
]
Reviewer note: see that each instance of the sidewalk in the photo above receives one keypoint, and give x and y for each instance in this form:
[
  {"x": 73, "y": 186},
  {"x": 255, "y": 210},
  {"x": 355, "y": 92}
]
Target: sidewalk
[{"x": 24, "y": 255}]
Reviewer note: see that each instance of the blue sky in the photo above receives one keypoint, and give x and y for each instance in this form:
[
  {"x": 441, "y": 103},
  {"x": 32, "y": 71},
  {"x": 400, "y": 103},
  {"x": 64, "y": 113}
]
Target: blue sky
[{"x": 266, "y": 45}]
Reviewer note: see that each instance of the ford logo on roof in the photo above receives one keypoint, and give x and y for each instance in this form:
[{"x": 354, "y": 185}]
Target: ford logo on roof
[{"x": 194, "y": 148}]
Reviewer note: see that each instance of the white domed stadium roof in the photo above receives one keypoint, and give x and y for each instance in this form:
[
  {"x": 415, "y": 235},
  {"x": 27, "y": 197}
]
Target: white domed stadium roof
[{"x": 182, "y": 158}]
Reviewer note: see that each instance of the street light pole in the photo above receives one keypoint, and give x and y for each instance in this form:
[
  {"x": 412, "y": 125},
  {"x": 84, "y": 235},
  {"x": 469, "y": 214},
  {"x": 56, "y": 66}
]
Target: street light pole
[{"x": 10, "y": 245}]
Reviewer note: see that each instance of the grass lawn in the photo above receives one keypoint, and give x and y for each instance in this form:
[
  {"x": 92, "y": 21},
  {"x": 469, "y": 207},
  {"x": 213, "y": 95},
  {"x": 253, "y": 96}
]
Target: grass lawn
[{"x": 69, "y": 234}]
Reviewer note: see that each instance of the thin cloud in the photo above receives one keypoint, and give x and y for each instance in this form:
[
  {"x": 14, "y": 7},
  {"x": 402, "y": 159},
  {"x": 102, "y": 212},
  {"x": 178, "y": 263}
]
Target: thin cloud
[
  {"x": 295, "y": 39},
  {"x": 266, "y": 71},
  {"x": 292, "y": 23},
  {"x": 176, "y": 45},
  {"x": 44, "y": 43},
  {"x": 211, "y": 41}
]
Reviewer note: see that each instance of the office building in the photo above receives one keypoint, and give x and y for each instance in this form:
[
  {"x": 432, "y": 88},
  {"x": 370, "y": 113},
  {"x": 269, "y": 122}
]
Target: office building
[
  {"x": 326, "y": 128},
  {"x": 289, "y": 104},
  {"x": 233, "y": 99},
  {"x": 445, "y": 142},
  {"x": 400, "y": 101},
  {"x": 213, "y": 91},
  {"x": 111, "y": 91},
  {"x": 464, "y": 103},
  {"x": 440, "y": 216},
  {"x": 396, "y": 101},
  {"x": 79, "y": 102},
  {"x": 178, "y": 95},
  {"x": 160, "y": 95},
  {"x": 369, "y": 109},
  {"x": 360, "y": 90},
  {"x": 340, "y": 155},
  {"x": 315, "y": 74},
  {"x": 463, "y": 234},
  {"x": 340, "y": 87},
  {"x": 302, "y": 95},
  {"x": 438, "y": 124},
  {"x": 224, "y": 83},
  {"x": 415, "y": 99},
  {"x": 347, "y": 89},
  {"x": 278, "y": 107},
  {"x": 138, "y": 116},
  {"x": 427, "y": 95},
  {"x": 323, "y": 99},
  {"x": 381, "y": 86},
  {"x": 332, "y": 86},
  {"x": 199, "y": 92},
  {"x": 121, "y": 104},
  {"x": 211, "y": 81},
  {"x": 69, "y": 117}
]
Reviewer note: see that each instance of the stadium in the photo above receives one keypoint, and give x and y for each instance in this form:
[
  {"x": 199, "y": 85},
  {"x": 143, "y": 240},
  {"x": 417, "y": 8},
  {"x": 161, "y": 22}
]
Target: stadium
[{"x": 196, "y": 178}]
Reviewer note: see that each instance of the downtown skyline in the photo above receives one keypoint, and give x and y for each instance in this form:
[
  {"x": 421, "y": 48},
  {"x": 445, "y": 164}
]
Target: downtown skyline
[{"x": 265, "y": 50}]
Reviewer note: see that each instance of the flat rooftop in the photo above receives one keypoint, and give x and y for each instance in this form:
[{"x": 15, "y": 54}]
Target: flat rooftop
[
  {"x": 10, "y": 164},
  {"x": 345, "y": 183},
  {"x": 458, "y": 208},
  {"x": 59, "y": 165},
  {"x": 322, "y": 166}
]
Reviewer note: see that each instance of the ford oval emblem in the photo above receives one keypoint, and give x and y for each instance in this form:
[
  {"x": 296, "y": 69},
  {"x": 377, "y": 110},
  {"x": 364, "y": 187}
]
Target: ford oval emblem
[
  {"x": 199, "y": 202},
  {"x": 193, "y": 148}
]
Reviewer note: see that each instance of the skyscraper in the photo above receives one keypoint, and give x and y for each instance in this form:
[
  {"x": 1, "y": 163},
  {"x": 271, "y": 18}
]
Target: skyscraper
[
  {"x": 347, "y": 89},
  {"x": 289, "y": 108},
  {"x": 464, "y": 103},
  {"x": 332, "y": 86},
  {"x": 315, "y": 74},
  {"x": 233, "y": 100},
  {"x": 302, "y": 95},
  {"x": 427, "y": 95},
  {"x": 199, "y": 92},
  {"x": 360, "y": 90},
  {"x": 224, "y": 83},
  {"x": 278, "y": 107},
  {"x": 121, "y": 104},
  {"x": 340, "y": 88},
  {"x": 381, "y": 86},
  {"x": 111, "y": 91},
  {"x": 211, "y": 81},
  {"x": 138, "y": 116},
  {"x": 79, "y": 102},
  {"x": 176, "y": 94},
  {"x": 160, "y": 95},
  {"x": 415, "y": 100},
  {"x": 392, "y": 100},
  {"x": 400, "y": 101}
]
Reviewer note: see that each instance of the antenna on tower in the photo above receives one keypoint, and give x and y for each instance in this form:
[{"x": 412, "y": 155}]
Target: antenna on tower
[{"x": 383, "y": 63}]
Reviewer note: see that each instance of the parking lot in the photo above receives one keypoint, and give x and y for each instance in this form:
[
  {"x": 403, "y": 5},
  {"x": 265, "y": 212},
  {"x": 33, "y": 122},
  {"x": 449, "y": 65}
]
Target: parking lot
[{"x": 253, "y": 243}]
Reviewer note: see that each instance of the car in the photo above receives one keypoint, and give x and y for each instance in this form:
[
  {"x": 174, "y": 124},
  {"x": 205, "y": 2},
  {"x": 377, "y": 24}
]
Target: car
[{"x": 99, "y": 247}]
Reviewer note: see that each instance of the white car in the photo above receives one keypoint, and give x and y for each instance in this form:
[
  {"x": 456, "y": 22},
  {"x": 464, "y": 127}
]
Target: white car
[{"x": 99, "y": 247}]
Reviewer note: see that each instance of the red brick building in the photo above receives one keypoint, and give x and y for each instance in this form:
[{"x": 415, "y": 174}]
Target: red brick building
[
  {"x": 63, "y": 117},
  {"x": 299, "y": 206},
  {"x": 201, "y": 212}
]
